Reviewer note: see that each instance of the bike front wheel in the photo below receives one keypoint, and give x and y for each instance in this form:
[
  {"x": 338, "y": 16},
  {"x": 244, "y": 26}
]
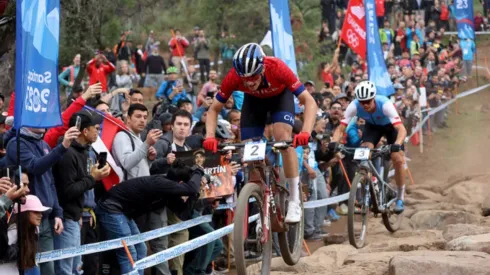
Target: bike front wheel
[
  {"x": 249, "y": 250},
  {"x": 358, "y": 211},
  {"x": 391, "y": 220},
  {"x": 291, "y": 241}
]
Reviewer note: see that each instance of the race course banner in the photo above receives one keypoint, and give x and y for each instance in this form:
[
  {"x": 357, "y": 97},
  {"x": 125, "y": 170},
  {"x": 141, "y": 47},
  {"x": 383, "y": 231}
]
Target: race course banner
[
  {"x": 463, "y": 12},
  {"x": 216, "y": 166},
  {"x": 36, "y": 76}
]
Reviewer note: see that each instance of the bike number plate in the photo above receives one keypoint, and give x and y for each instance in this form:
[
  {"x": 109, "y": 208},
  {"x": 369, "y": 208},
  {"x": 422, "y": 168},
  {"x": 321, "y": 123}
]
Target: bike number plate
[
  {"x": 361, "y": 154},
  {"x": 254, "y": 151}
]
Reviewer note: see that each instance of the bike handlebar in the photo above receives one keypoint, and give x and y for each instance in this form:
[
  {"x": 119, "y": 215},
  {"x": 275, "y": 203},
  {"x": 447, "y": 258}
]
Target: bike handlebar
[
  {"x": 274, "y": 144},
  {"x": 376, "y": 152}
]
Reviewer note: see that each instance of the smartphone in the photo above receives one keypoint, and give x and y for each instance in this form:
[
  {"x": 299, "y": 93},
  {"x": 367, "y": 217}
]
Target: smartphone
[
  {"x": 236, "y": 158},
  {"x": 210, "y": 94},
  {"x": 102, "y": 159},
  {"x": 327, "y": 85},
  {"x": 178, "y": 83},
  {"x": 78, "y": 123}
]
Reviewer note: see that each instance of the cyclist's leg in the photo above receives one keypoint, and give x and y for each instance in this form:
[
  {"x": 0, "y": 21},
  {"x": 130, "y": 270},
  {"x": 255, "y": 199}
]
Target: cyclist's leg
[
  {"x": 371, "y": 136},
  {"x": 282, "y": 115},
  {"x": 398, "y": 161}
]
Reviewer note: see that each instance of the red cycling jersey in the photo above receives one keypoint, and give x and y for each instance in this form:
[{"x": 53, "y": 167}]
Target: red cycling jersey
[{"x": 277, "y": 78}]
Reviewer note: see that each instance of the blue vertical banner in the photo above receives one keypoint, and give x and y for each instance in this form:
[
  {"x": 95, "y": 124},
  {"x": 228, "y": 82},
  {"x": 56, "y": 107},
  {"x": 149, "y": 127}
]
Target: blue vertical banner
[
  {"x": 376, "y": 64},
  {"x": 37, "y": 102},
  {"x": 463, "y": 12},
  {"x": 282, "y": 33}
]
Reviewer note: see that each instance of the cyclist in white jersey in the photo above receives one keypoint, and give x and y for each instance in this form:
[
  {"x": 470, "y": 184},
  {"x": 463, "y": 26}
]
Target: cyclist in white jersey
[{"x": 382, "y": 119}]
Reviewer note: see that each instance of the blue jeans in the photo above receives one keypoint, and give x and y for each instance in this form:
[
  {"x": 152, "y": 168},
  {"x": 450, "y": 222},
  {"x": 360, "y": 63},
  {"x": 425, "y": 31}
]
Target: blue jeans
[
  {"x": 314, "y": 217},
  {"x": 117, "y": 226},
  {"x": 46, "y": 243},
  {"x": 204, "y": 255},
  {"x": 70, "y": 237}
]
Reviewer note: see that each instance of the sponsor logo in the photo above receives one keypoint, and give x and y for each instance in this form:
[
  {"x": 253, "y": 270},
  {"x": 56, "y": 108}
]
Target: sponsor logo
[
  {"x": 352, "y": 38},
  {"x": 358, "y": 11},
  {"x": 289, "y": 118}
]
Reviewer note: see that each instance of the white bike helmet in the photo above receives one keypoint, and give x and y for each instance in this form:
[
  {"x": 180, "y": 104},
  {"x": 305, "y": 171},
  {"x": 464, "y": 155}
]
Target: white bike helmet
[{"x": 365, "y": 90}]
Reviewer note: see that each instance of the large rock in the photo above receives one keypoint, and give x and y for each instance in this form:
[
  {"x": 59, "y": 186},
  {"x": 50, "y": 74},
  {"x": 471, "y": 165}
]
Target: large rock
[
  {"x": 471, "y": 243},
  {"x": 406, "y": 241},
  {"x": 468, "y": 192},
  {"x": 440, "y": 263},
  {"x": 454, "y": 231},
  {"x": 426, "y": 195},
  {"x": 440, "y": 219}
]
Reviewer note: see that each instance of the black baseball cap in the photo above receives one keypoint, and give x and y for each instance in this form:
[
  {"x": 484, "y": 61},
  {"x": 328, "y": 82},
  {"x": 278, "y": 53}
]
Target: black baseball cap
[{"x": 87, "y": 119}]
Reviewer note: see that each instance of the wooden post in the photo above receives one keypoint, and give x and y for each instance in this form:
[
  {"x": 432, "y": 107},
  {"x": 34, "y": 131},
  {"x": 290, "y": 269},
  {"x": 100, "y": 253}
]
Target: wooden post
[
  {"x": 421, "y": 134},
  {"x": 128, "y": 253}
]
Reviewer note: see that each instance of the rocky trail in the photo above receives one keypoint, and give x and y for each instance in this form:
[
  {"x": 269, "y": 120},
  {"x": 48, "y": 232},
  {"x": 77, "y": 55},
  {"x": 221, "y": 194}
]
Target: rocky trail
[{"x": 445, "y": 229}]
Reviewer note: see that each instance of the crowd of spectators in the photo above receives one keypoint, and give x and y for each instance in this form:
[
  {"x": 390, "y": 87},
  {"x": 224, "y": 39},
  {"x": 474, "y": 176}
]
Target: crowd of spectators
[{"x": 162, "y": 105}]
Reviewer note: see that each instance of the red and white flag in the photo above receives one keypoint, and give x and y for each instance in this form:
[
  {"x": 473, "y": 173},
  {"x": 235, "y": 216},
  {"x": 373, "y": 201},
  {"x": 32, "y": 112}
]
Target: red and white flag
[
  {"x": 110, "y": 127},
  {"x": 354, "y": 28}
]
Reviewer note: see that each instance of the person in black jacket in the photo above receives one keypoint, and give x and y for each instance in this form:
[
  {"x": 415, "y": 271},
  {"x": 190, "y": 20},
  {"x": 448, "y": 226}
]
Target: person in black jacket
[
  {"x": 73, "y": 176},
  {"x": 129, "y": 199}
]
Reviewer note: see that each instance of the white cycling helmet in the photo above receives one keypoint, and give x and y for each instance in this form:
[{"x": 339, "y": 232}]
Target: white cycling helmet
[{"x": 365, "y": 90}]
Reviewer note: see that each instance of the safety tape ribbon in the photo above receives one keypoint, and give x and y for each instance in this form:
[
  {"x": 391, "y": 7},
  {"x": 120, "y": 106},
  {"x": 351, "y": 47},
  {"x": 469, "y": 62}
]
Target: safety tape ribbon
[
  {"x": 181, "y": 249},
  {"x": 438, "y": 108},
  {"x": 325, "y": 202},
  {"x": 116, "y": 243}
]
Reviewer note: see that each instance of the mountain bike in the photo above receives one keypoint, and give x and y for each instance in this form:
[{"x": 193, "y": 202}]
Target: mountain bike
[
  {"x": 371, "y": 190},
  {"x": 265, "y": 196}
]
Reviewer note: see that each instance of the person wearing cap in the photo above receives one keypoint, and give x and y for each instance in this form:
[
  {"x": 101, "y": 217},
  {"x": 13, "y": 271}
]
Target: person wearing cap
[
  {"x": 74, "y": 175},
  {"x": 343, "y": 99},
  {"x": 30, "y": 218},
  {"x": 171, "y": 90},
  {"x": 310, "y": 86},
  {"x": 186, "y": 105}
]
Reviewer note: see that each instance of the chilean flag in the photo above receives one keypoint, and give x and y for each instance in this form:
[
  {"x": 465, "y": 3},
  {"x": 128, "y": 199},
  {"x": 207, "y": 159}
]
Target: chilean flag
[{"x": 110, "y": 127}]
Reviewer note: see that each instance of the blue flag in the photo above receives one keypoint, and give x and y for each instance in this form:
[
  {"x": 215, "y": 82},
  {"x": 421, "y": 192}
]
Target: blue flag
[
  {"x": 282, "y": 33},
  {"x": 376, "y": 64},
  {"x": 463, "y": 12},
  {"x": 37, "y": 101}
]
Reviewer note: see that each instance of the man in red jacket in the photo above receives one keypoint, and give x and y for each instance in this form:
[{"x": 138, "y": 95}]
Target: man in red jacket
[
  {"x": 98, "y": 69},
  {"x": 178, "y": 44}
]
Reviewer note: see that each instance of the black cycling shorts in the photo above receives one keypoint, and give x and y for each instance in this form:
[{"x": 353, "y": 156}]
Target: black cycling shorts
[
  {"x": 255, "y": 111},
  {"x": 374, "y": 133}
]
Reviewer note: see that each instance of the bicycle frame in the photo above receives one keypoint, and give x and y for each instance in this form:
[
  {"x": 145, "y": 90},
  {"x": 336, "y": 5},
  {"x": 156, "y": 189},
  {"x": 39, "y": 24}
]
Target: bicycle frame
[{"x": 368, "y": 164}]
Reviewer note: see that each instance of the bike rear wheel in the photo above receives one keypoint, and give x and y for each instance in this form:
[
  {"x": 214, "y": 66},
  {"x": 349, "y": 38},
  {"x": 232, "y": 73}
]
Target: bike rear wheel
[
  {"x": 391, "y": 220},
  {"x": 291, "y": 241},
  {"x": 357, "y": 219},
  {"x": 243, "y": 232}
]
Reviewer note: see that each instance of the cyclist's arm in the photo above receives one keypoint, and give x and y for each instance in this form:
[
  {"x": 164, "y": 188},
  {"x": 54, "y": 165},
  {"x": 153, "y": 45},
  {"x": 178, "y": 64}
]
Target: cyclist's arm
[
  {"x": 349, "y": 113},
  {"x": 389, "y": 110},
  {"x": 212, "y": 118},
  {"x": 307, "y": 100}
]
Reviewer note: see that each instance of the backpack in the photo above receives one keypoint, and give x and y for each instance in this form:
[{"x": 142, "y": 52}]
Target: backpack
[{"x": 133, "y": 147}]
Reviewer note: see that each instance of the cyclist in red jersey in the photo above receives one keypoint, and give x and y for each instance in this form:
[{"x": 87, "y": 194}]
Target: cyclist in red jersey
[{"x": 269, "y": 86}]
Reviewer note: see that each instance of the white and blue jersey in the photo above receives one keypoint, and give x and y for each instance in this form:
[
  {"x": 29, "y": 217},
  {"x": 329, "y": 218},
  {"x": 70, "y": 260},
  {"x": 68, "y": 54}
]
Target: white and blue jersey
[{"x": 384, "y": 114}]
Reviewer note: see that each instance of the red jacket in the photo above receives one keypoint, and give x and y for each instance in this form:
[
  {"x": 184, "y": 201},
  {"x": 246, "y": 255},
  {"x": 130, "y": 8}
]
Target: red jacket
[
  {"x": 178, "y": 46},
  {"x": 99, "y": 74},
  {"x": 52, "y": 135}
]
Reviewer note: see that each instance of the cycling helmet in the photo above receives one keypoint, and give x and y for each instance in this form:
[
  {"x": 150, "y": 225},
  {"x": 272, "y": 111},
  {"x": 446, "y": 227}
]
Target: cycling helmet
[
  {"x": 222, "y": 131},
  {"x": 249, "y": 60},
  {"x": 365, "y": 90}
]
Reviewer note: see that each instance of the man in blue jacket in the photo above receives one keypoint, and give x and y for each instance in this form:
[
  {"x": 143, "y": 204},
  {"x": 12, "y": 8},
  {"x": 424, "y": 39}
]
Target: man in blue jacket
[
  {"x": 172, "y": 89},
  {"x": 38, "y": 158}
]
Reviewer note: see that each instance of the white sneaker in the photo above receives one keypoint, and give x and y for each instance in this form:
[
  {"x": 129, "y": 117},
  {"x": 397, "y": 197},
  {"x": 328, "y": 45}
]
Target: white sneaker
[{"x": 293, "y": 213}]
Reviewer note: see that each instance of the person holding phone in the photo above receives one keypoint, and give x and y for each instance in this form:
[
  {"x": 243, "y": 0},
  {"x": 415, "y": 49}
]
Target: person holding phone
[
  {"x": 206, "y": 95},
  {"x": 74, "y": 175},
  {"x": 172, "y": 90}
]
